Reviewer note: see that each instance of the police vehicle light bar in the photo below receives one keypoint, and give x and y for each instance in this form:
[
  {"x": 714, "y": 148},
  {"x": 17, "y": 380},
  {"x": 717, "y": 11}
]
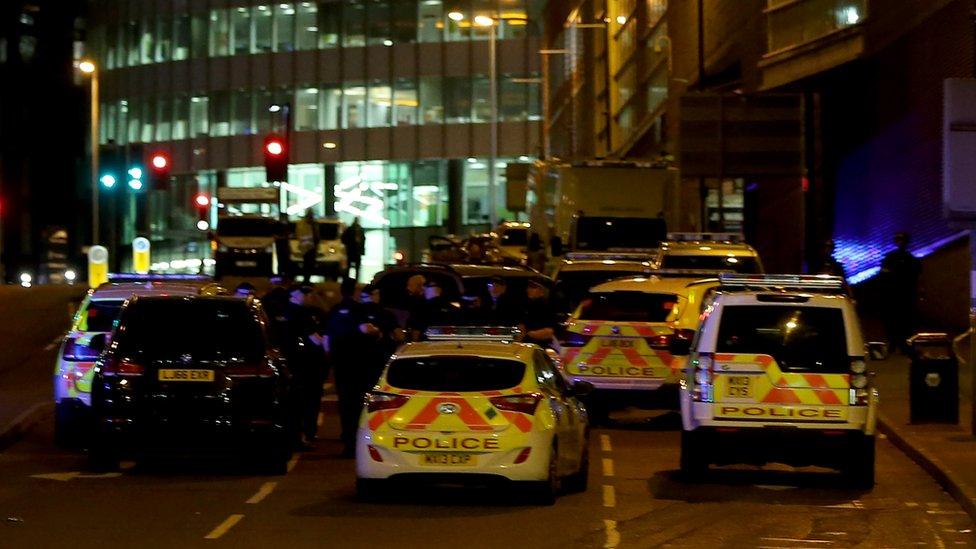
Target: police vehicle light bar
[
  {"x": 612, "y": 256},
  {"x": 735, "y": 238},
  {"x": 689, "y": 273},
  {"x": 782, "y": 282},
  {"x": 473, "y": 333},
  {"x": 135, "y": 277}
]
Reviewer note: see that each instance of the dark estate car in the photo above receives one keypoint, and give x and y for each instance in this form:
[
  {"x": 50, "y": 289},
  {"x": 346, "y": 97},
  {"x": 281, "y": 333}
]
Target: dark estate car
[{"x": 193, "y": 374}]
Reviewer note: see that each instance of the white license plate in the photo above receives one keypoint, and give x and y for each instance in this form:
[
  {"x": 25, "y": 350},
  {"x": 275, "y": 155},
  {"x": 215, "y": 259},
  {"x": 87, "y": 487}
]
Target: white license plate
[
  {"x": 457, "y": 460},
  {"x": 246, "y": 263}
]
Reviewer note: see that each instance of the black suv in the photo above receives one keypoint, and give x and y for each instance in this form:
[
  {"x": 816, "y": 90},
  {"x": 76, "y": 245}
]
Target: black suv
[{"x": 191, "y": 373}]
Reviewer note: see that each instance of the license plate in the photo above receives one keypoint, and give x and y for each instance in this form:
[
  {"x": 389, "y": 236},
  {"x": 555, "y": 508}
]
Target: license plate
[
  {"x": 457, "y": 460},
  {"x": 246, "y": 263},
  {"x": 186, "y": 374},
  {"x": 738, "y": 386}
]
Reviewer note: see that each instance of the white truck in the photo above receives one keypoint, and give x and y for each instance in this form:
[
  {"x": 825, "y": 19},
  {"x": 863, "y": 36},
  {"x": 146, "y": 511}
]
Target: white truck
[
  {"x": 247, "y": 232},
  {"x": 606, "y": 205}
]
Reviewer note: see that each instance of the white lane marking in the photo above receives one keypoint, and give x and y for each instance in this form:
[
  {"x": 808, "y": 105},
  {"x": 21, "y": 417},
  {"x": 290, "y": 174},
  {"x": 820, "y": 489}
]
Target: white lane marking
[
  {"x": 937, "y": 512},
  {"x": 607, "y": 467},
  {"x": 605, "y": 443},
  {"x": 609, "y": 496},
  {"x": 797, "y": 540},
  {"x": 293, "y": 462},
  {"x": 223, "y": 527},
  {"x": 911, "y": 504},
  {"x": 71, "y": 475},
  {"x": 262, "y": 493},
  {"x": 613, "y": 536},
  {"x": 320, "y": 420}
]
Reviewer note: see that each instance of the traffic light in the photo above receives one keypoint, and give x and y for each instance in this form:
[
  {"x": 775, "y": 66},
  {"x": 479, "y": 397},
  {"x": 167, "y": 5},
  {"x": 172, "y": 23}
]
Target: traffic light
[
  {"x": 134, "y": 172},
  {"x": 110, "y": 165},
  {"x": 159, "y": 168},
  {"x": 275, "y": 158},
  {"x": 202, "y": 204}
]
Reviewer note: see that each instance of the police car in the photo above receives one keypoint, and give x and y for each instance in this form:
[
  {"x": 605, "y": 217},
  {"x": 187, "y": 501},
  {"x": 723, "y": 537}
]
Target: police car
[
  {"x": 708, "y": 251},
  {"x": 620, "y": 337},
  {"x": 580, "y": 271},
  {"x": 470, "y": 406},
  {"x": 512, "y": 239},
  {"x": 96, "y": 315},
  {"x": 778, "y": 373}
]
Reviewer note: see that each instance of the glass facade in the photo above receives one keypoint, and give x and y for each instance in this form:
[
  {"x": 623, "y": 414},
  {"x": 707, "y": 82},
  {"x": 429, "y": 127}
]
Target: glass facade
[{"x": 794, "y": 23}]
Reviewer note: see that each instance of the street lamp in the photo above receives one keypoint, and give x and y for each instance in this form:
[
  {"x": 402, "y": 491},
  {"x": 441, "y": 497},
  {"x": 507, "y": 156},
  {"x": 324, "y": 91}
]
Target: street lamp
[
  {"x": 489, "y": 22},
  {"x": 90, "y": 69}
]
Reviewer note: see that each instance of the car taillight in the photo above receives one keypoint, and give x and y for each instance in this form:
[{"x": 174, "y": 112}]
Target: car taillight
[
  {"x": 377, "y": 401},
  {"x": 121, "y": 368},
  {"x": 684, "y": 333},
  {"x": 658, "y": 341},
  {"x": 76, "y": 352},
  {"x": 702, "y": 390},
  {"x": 859, "y": 391},
  {"x": 249, "y": 370},
  {"x": 572, "y": 339},
  {"x": 523, "y": 404}
]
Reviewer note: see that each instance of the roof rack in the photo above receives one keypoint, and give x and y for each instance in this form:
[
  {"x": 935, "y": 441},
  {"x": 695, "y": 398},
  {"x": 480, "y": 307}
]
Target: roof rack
[
  {"x": 781, "y": 282},
  {"x": 735, "y": 238},
  {"x": 473, "y": 333}
]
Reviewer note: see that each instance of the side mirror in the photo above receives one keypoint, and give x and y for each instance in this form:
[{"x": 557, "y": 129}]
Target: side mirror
[
  {"x": 98, "y": 343},
  {"x": 581, "y": 388},
  {"x": 679, "y": 346},
  {"x": 877, "y": 350}
]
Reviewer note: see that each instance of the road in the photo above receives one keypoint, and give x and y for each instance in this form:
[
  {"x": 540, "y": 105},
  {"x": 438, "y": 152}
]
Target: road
[{"x": 635, "y": 499}]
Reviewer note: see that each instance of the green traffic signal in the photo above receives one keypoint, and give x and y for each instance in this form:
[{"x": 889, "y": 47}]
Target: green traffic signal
[{"x": 108, "y": 180}]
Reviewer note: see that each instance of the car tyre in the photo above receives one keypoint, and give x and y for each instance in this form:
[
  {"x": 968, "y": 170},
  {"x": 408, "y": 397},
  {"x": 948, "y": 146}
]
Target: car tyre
[
  {"x": 545, "y": 492},
  {"x": 102, "y": 458},
  {"x": 597, "y": 410},
  {"x": 860, "y": 463},
  {"x": 579, "y": 481},
  {"x": 65, "y": 427},
  {"x": 693, "y": 464},
  {"x": 370, "y": 489}
]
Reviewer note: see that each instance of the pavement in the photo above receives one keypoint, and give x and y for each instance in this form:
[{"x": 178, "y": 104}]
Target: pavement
[{"x": 946, "y": 451}]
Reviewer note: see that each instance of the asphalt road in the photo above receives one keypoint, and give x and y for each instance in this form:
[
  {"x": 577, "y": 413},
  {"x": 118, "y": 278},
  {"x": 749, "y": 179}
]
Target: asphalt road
[{"x": 635, "y": 499}]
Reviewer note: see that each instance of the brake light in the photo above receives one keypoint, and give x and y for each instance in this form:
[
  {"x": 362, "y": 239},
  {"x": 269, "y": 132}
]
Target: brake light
[
  {"x": 859, "y": 376},
  {"x": 659, "y": 341},
  {"x": 262, "y": 370},
  {"x": 572, "y": 339},
  {"x": 702, "y": 389},
  {"x": 377, "y": 401},
  {"x": 121, "y": 368},
  {"x": 74, "y": 351},
  {"x": 523, "y": 404}
]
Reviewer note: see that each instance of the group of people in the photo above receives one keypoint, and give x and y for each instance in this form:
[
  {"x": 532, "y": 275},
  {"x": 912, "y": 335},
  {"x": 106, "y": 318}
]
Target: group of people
[{"x": 307, "y": 234}]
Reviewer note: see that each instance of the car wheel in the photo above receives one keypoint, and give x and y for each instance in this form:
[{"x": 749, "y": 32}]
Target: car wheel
[
  {"x": 65, "y": 434},
  {"x": 597, "y": 410},
  {"x": 102, "y": 458},
  {"x": 370, "y": 489},
  {"x": 578, "y": 481},
  {"x": 693, "y": 463},
  {"x": 860, "y": 463},
  {"x": 544, "y": 492}
]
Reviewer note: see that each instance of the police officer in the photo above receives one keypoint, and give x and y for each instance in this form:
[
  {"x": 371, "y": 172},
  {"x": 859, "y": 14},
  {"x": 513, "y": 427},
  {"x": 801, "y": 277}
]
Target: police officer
[
  {"x": 382, "y": 335},
  {"x": 501, "y": 308},
  {"x": 416, "y": 305},
  {"x": 900, "y": 271},
  {"x": 306, "y": 360},
  {"x": 540, "y": 319},
  {"x": 344, "y": 342}
]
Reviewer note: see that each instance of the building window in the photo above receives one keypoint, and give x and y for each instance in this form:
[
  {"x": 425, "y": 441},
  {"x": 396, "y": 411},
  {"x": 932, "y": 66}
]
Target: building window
[
  {"x": 241, "y": 22},
  {"x": 263, "y": 39},
  {"x": 792, "y": 24},
  {"x": 181, "y": 117},
  {"x": 198, "y": 36},
  {"x": 380, "y": 104},
  {"x": 284, "y": 27},
  {"x": 306, "y": 22},
  {"x": 111, "y": 47},
  {"x": 146, "y": 52},
  {"x": 354, "y": 103},
  {"x": 331, "y": 107},
  {"x": 512, "y": 100},
  {"x": 405, "y": 103},
  {"x": 134, "y": 111},
  {"x": 132, "y": 36},
  {"x": 199, "y": 116},
  {"x": 330, "y": 24},
  {"x": 481, "y": 93},
  {"x": 242, "y": 121},
  {"x": 306, "y": 109},
  {"x": 220, "y": 114},
  {"x": 262, "y": 117},
  {"x": 430, "y": 21},
  {"x": 354, "y": 23},
  {"x": 181, "y": 37},
  {"x": 378, "y": 22},
  {"x": 164, "y": 118},
  {"x": 219, "y": 33},
  {"x": 457, "y": 99},
  {"x": 164, "y": 39},
  {"x": 431, "y": 100},
  {"x": 147, "y": 111},
  {"x": 404, "y": 23}
]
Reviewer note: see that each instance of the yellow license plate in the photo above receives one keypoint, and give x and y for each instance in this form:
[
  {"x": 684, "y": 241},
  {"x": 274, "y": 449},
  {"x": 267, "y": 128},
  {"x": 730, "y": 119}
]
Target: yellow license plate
[
  {"x": 738, "y": 386},
  {"x": 457, "y": 460},
  {"x": 185, "y": 374}
]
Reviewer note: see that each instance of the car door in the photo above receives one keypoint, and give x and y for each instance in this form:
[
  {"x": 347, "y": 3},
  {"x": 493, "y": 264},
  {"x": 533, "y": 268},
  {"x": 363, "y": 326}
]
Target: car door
[{"x": 565, "y": 409}]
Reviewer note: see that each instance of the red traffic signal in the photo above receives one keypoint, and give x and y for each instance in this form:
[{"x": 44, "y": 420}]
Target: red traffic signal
[
  {"x": 202, "y": 204},
  {"x": 159, "y": 168},
  {"x": 275, "y": 158},
  {"x": 202, "y": 200}
]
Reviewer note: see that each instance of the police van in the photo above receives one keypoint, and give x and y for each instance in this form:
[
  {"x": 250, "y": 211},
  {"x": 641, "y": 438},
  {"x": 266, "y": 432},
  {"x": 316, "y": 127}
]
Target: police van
[
  {"x": 778, "y": 372},
  {"x": 708, "y": 251}
]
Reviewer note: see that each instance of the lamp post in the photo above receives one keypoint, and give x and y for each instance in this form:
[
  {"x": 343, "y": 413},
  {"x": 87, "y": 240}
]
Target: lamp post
[
  {"x": 89, "y": 68},
  {"x": 489, "y": 22}
]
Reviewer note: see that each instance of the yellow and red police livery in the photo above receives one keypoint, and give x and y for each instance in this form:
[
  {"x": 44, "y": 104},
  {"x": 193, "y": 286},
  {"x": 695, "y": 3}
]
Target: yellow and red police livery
[
  {"x": 778, "y": 374},
  {"x": 473, "y": 411}
]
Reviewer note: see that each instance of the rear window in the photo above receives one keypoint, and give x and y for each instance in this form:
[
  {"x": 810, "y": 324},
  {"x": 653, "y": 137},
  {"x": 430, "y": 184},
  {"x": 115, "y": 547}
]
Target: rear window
[
  {"x": 607, "y": 233},
  {"x": 574, "y": 285},
  {"x": 739, "y": 264},
  {"x": 101, "y": 315},
  {"x": 515, "y": 237},
  {"x": 204, "y": 329},
  {"x": 455, "y": 374},
  {"x": 247, "y": 226},
  {"x": 801, "y": 339},
  {"x": 628, "y": 306},
  {"x": 328, "y": 231}
]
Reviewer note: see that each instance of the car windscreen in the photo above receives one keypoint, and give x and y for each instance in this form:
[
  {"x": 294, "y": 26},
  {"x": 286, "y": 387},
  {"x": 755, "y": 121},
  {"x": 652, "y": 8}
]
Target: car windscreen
[
  {"x": 101, "y": 315},
  {"x": 574, "y": 285},
  {"x": 739, "y": 264},
  {"x": 204, "y": 329},
  {"x": 244, "y": 226},
  {"x": 628, "y": 306},
  {"x": 515, "y": 237},
  {"x": 605, "y": 233},
  {"x": 801, "y": 339},
  {"x": 328, "y": 231},
  {"x": 455, "y": 373}
]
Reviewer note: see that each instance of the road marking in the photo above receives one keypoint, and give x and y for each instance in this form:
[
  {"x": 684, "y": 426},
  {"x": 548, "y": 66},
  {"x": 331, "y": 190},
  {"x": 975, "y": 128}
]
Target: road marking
[
  {"x": 71, "y": 475},
  {"x": 605, "y": 443},
  {"x": 320, "y": 420},
  {"x": 262, "y": 493},
  {"x": 293, "y": 462},
  {"x": 937, "y": 512},
  {"x": 223, "y": 527},
  {"x": 613, "y": 536},
  {"x": 609, "y": 496},
  {"x": 607, "y": 467},
  {"x": 911, "y": 504},
  {"x": 795, "y": 540}
]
